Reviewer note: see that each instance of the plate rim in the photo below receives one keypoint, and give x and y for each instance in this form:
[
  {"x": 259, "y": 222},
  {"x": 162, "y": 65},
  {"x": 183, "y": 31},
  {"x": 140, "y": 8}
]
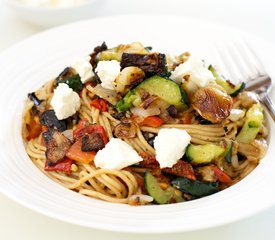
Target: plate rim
[{"x": 71, "y": 25}]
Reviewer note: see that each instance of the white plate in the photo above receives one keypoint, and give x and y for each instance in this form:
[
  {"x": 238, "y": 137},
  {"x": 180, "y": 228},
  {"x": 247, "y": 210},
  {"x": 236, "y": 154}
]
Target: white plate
[{"x": 34, "y": 61}]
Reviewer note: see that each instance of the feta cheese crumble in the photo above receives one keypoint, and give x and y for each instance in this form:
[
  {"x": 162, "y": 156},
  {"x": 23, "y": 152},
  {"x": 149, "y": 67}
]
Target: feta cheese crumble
[
  {"x": 170, "y": 145},
  {"x": 236, "y": 114},
  {"x": 107, "y": 72},
  {"x": 197, "y": 74},
  {"x": 65, "y": 101},
  {"x": 83, "y": 67},
  {"x": 117, "y": 154}
]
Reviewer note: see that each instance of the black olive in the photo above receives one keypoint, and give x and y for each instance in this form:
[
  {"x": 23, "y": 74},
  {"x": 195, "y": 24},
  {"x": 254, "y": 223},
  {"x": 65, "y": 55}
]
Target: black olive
[{"x": 172, "y": 111}]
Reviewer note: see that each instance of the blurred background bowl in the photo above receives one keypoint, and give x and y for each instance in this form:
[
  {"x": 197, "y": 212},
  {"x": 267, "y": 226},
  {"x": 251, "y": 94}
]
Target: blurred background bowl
[{"x": 53, "y": 16}]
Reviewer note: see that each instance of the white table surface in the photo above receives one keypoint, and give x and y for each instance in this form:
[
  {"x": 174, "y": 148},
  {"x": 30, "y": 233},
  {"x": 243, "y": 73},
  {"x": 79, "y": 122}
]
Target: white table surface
[{"x": 254, "y": 16}]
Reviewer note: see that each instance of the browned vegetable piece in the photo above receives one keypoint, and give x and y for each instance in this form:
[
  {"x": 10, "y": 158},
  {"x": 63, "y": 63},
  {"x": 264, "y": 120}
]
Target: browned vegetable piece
[
  {"x": 49, "y": 119},
  {"x": 92, "y": 142},
  {"x": 65, "y": 74},
  {"x": 151, "y": 64},
  {"x": 128, "y": 78},
  {"x": 97, "y": 50},
  {"x": 125, "y": 129},
  {"x": 181, "y": 169},
  {"x": 212, "y": 103},
  {"x": 32, "y": 96},
  {"x": 247, "y": 99},
  {"x": 147, "y": 102},
  {"x": 57, "y": 146},
  {"x": 172, "y": 110}
]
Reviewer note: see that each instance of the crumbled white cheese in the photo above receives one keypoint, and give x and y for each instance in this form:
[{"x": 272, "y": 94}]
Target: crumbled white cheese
[
  {"x": 117, "y": 154},
  {"x": 83, "y": 67},
  {"x": 236, "y": 114},
  {"x": 65, "y": 101},
  {"x": 194, "y": 70},
  {"x": 107, "y": 72},
  {"x": 52, "y": 3},
  {"x": 170, "y": 145}
]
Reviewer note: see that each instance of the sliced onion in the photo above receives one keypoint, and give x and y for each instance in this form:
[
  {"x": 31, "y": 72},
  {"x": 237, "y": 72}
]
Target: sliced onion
[
  {"x": 141, "y": 112},
  {"x": 109, "y": 95},
  {"x": 68, "y": 134}
]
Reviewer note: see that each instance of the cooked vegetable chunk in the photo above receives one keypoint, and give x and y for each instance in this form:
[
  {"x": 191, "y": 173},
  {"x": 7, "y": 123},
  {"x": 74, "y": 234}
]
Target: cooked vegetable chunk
[
  {"x": 74, "y": 83},
  {"x": 229, "y": 87},
  {"x": 35, "y": 99},
  {"x": 203, "y": 154},
  {"x": 151, "y": 64},
  {"x": 125, "y": 129},
  {"x": 128, "y": 78},
  {"x": 49, "y": 119},
  {"x": 254, "y": 118},
  {"x": 116, "y": 52},
  {"x": 57, "y": 146},
  {"x": 166, "y": 89},
  {"x": 195, "y": 188},
  {"x": 212, "y": 103},
  {"x": 92, "y": 142},
  {"x": 160, "y": 196}
]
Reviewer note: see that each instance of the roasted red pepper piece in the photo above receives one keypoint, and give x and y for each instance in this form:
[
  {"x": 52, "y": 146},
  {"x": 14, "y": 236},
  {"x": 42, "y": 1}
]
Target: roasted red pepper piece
[
  {"x": 221, "y": 175},
  {"x": 62, "y": 166},
  {"x": 181, "y": 169},
  {"x": 82, "y": 129},
  {"x": 78, "y": 155},
  {"x": 152, "y": 121},
  {"x": 100, "y": 104},
  {"x": 34, "y": 129}
]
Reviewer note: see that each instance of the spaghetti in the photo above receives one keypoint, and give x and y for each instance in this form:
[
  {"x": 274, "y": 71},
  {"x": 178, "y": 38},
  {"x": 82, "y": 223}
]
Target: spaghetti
[{"x": 127, "y": 185}]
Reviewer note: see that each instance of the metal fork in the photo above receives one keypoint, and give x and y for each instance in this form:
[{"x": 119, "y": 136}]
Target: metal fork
[{"x": 239, "y": 62}]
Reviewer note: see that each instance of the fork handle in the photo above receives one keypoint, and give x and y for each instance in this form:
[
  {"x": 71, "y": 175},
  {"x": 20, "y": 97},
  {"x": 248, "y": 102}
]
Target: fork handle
[{"x": 269, "y": 105}]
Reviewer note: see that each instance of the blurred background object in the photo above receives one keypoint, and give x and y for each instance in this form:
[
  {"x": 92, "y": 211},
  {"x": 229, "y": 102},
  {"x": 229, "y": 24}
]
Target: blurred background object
[{"x": 49, "y": 13}]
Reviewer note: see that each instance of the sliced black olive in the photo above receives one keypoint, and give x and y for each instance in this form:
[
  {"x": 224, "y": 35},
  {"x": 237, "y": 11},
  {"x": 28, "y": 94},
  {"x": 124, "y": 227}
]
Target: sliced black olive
[
  {"x": 172, "y": 111},
  {"x": 151, "y": 64},
  {"x": 57, "y": 146},
  {"x": 202, "y": 121},
  {"x": 92, "y": 142},
  {"x": 49, "y": 119},
  {"x": 35, "y": 99},
  {"x": 118, "y": 115}
]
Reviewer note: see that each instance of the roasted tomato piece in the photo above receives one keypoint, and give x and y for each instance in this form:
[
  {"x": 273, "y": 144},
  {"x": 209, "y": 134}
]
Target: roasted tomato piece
[
  {"x": 57, "y": 146},
  {"x": 149, "y": 161},
  {"x": 181, "y": 169},
  {"x": 84, "y": 128},
  {"x": 212, "y": 103},
  {"x": 62, "y": 166}
]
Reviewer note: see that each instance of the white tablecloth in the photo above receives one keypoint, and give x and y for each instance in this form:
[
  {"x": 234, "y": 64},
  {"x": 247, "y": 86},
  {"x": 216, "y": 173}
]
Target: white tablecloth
[{"x": 254, "y": 16}]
